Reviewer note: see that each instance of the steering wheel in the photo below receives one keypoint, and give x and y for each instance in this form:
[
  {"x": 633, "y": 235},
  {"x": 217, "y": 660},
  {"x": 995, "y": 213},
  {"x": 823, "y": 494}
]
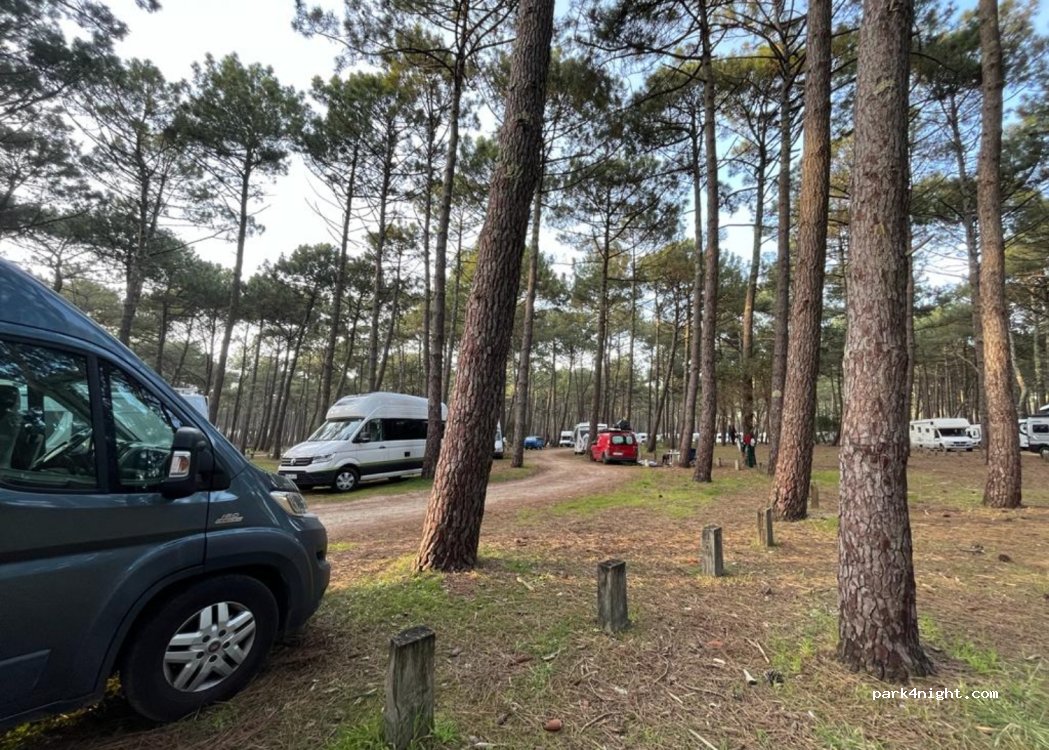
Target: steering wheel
[{"x": 76, "y": 441}]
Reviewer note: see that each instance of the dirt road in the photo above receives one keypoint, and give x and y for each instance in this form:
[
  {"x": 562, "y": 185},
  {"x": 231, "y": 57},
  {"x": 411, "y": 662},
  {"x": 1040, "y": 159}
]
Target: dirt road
[{"x": 562, "y": 475}]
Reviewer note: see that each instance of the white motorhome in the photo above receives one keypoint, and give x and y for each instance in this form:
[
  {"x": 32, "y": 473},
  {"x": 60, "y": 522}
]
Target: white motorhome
[
  {"x": 581, "y": 437},
  {"x": 566, "y": 440},
  {"x": 941, "y": 435},
  {"x": 1034, "y": 434},
  {"x": 368, "y": 436}
]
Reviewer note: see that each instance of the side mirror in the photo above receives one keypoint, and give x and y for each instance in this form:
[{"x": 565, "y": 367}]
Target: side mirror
[
  {"x": 363, "y": 438},
  {"x": 190, "y": 456}
]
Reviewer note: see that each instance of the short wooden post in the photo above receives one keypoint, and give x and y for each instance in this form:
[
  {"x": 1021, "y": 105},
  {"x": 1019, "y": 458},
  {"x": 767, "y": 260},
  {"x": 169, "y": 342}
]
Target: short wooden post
[
  {"x": 408, "y": 715},
  {"x": 814, "y": 496},
  {"x": 611, "y": 596},
  {"x": 719, "y": 462},
  {"x": 737, "y": 464},
  {"x": 765, "y": 527},
  {"x": 711, "y": 559}
]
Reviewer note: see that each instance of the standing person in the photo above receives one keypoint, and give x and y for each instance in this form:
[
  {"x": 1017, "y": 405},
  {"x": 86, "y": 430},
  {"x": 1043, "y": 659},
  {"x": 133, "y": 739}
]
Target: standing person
[
  {"x": 751, "y": 457},
  {"x": 732, "y": 434},
  {"x": 744, "y": 441}
]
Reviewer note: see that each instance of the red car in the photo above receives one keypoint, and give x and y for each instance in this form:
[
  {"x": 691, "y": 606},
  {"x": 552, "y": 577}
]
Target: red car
[{"x": 614, "y": 446}]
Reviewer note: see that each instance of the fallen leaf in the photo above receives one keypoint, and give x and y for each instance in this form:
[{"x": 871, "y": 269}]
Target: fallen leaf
[{"x": 553, "y": 725}]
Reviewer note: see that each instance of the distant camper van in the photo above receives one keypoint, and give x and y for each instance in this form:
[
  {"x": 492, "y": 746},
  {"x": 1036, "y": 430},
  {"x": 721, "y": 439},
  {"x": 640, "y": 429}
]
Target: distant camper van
[
  {"x": 364, "y": 437},
  {"x": 196, "y": 399},
  {"x": 581, "y": 437},
  {"x": 941, "y": 435},
  {"x": 1034, "y": 433}
]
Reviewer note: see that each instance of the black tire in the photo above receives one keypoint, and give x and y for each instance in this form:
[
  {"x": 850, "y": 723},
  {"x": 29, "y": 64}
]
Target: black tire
[
  {"x": 604, "y": 458},
  {"x": 143, "y": 672},
  {"x": 347, "y": 479}
]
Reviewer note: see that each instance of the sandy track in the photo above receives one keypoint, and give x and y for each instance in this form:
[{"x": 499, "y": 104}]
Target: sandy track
[{"x": 562, "y": 475}]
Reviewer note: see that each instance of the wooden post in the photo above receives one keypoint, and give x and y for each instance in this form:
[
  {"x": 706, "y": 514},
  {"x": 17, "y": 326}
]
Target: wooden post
[
  {"x": 611, "y": 596},
  {"x": 710, "y": 553},
  {"x": 719, "y": 462},
  {"x": 765, "y": 527},
  {"x": 814, "y": 496},
  {"x": 408, "y": 715},
  {"x": 737, "y": 464}
]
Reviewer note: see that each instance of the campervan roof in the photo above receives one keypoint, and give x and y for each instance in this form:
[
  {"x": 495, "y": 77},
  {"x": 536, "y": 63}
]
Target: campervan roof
[{"x": 391, "y": 404}]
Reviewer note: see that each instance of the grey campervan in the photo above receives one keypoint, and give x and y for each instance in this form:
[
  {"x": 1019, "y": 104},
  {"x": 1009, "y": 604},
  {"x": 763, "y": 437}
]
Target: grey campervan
[{"x": 134, "y": 539}]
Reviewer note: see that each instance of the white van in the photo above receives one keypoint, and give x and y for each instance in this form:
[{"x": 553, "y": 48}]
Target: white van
[
  {"x": 1034, "y": 434},
  {"x": 369, "y": 436},
  {"x": 581, "y": 437},
  {"x": 565, "y": 440},
  {"x": 196, "y": 399},
  {"x": 499, "y": 445},
  {"x": 941, "y": 434}
]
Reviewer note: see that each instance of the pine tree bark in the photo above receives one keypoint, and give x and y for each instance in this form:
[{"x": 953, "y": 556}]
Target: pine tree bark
[
  {"x": 435, "y": 387},
  {"x": 878, "y": 618},
  {"x": 692, "y": 389},
  {"x": 233, "y": 310},
  {"x": 328, "y": 368},
  {"x": 781, "y": 311},
  {"x": 524, "y": 362},
  {"x": 453, "y": 518},
  {"x": 709, "y": 403},
  {"x": 790, "y": 484},
  {"x": 1003, "y": 443},
  {"x": 747, "y": 390}
]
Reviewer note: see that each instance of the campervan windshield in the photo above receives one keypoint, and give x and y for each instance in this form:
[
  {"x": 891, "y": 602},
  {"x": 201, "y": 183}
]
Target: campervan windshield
[
  {"x": 952, "y": 432},
  {"x": 335, "y": 429}
]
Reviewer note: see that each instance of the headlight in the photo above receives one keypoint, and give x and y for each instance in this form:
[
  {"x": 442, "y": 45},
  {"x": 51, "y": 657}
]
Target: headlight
[
  {"x": 292, "y": 502},
  {"x": 322, "y": 459}
]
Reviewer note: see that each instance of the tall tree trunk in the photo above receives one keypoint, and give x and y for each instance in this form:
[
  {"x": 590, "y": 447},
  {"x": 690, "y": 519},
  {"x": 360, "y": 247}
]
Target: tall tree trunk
[
  {"x": 431, "y": 146},
  {"x": 446, "y": 378},
  {"x": 252, "y": 392},
  {"x": 289, "y": 376},
  {"x": 1003, "y": 443},
  {"x": 747, "y": 389},
  {"x": 233, "y": 310},
  {"x": 185, "y": 351},
  {"x": 394, "y": 320},
  {"x": 434, "y": 390},
  {"x": 878, "y": 618},
  {"x": 453, "y": 517},
  {"x": 328, "y": 367},
  {"x": 380, "y": 248},
  {"x": 781, "y": 311},
  {"x": 524, "y": 362},
  {"x": 790, "y": 485},
  {"x": 709, "y": 404},
  {"x": 235, "y": 416},
  {"x": 969, "y": 219},
  {"x": 602, "y": 335},
  {"x": 162, "y": 335},
  {"x": 695, "y": 332}
]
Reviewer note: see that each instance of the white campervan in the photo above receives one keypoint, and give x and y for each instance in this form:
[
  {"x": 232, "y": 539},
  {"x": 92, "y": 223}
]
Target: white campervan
[
  {"x": 370, "y": 436},
  {"x": 581, "y": 437},
  {"x": 1034, "y": 433},
  {"x": 941, "y": 435},
  {"x": 566, "y": 440}
]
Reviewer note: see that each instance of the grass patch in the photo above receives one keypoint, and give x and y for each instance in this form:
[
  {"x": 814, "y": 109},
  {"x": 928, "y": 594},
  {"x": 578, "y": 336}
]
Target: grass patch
[
  {"x": 981, "y": 660},
  {"x": 845, "y": 737},
  {"x": 825, "y": 525},
  {"x": 816, "y": 633},
  {"x": 368, "y": 735},
  {"x": 1019, "y": 718}
]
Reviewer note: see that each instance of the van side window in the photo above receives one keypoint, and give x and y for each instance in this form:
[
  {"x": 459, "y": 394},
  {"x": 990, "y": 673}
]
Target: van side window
[
  {"x": 372, "y": 430},
  {"x": 404, "y": 429},
  {"x": 46, "y": 435},
  {"x": 141, "y": 431}
]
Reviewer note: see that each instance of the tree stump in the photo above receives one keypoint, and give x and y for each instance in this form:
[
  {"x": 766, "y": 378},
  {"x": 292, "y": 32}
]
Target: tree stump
[
  {"x": 737, "y": 464},
  {"x": 814, "y": 496},
  {"x": 611, "y": 596},
  {"x": 408, "y": 715},
  {"x": 710, "y": 555},
  {"x": 765, "y": 527},
  {"x": 719, "y": 462}
]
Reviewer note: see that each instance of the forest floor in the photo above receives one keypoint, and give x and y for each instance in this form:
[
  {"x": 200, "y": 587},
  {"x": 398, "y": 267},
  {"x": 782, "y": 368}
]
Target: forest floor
[{"x": 517, "y": 643}]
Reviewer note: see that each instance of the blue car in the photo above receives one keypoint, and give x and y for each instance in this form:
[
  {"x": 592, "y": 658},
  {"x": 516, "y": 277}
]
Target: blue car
[{"x": 534, "y": 443}]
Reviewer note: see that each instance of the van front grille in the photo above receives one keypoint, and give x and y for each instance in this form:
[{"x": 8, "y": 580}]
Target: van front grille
[{"x": 295, "y": 461}]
